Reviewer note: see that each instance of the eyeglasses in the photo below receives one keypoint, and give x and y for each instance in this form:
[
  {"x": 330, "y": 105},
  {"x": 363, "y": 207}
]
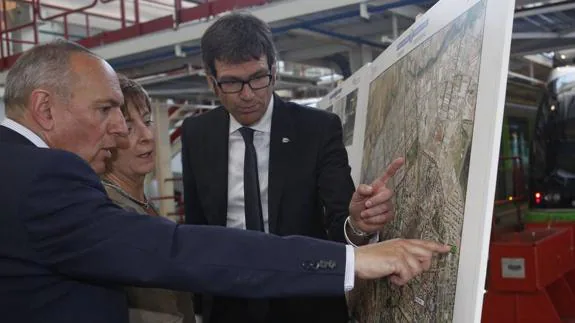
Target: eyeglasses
[{"x": 256, "y": 83}]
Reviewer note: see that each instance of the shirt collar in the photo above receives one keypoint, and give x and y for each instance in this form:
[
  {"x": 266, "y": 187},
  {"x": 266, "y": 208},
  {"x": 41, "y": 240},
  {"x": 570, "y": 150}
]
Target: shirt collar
[
  {"x": 25, "y": 132},
  {"x": 263, "y": 125}
]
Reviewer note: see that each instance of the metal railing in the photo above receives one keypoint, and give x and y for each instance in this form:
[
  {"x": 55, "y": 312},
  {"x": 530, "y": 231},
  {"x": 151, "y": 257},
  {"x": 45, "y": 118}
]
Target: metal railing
[{"x": 129, "y": 28}]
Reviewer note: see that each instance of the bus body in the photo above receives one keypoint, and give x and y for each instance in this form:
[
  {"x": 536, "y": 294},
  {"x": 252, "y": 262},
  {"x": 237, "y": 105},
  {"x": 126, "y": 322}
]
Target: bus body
[{"x": 552, "y": 161}]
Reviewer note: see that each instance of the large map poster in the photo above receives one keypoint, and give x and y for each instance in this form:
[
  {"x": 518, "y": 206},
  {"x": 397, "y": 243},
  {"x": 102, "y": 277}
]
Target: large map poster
[
  {"x": 423, "y": 107},
  {"x": 346, "y": 108}
]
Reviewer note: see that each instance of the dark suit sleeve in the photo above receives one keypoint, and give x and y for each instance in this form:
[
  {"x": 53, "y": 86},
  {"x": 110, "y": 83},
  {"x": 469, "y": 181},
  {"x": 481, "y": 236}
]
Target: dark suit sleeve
[
  {"x": 75, "y": 230},
  {"x": 334, "y": 182},
  {"x": 193, "y": 210}
]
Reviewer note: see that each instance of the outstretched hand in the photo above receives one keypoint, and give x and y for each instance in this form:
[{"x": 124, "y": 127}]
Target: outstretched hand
[
  {"x": 399, "y": 259},
  {"x": 371, "y": 206}
]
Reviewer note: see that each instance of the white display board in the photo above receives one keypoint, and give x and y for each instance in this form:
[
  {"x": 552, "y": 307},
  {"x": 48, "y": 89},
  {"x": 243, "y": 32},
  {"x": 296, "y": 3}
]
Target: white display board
[
  {"x": 436, "y": 97},
  {"x": 349, "y": 102}
]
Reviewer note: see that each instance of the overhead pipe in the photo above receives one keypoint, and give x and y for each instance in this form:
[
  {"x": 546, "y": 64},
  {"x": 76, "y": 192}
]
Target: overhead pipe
[
  {"x": 348, "y": 14},
  {"x": 345, "y": 37},
  {"x": 128, "y": 62},
  {"x": 525, "y": 78},
  {"x": 279, "y": 30},
  {"x": 545, "y": 9}
]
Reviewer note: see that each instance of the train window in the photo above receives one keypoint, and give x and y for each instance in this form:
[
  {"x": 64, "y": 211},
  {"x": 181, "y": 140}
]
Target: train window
[{"x": 564, "y": 83}]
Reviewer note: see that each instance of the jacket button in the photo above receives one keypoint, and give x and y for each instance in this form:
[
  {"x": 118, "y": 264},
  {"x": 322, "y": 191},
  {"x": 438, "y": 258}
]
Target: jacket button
[
  {"x": 309, "y": 265},
  {"x": 331, "y": 264},
  {"x": 326, "y": 264}
]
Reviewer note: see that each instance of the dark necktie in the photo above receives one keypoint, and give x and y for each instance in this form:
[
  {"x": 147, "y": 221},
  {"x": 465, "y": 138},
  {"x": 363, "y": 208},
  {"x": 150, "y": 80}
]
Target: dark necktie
[{"x": 252, "y": 200}]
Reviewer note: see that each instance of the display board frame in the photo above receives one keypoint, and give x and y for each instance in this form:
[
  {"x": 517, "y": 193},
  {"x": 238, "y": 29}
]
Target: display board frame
[
  {"x": 359, "y": 83},
  {"x": 473, "y": 247}
]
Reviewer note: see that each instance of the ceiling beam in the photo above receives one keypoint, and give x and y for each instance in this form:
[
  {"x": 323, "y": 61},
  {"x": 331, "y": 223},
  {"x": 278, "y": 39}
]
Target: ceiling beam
[
  {"x": 159, "y": 67},
  {"x": 536, "y": 47},
  {"x": 313, "y": 52},
  {"x": 539, "y": 59},
  {"x": 311, "y": 40},
  {"x": 524, "y": 78},
  {"x": 542, "y": 35},
  {"x": 410, "y": 11},
  {"x": 545, "y": 9}
]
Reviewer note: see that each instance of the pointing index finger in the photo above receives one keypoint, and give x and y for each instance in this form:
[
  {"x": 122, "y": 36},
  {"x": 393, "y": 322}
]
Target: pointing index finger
[
  {"x": 389, "y": 173},
  {"x": 432, "y": 245}
]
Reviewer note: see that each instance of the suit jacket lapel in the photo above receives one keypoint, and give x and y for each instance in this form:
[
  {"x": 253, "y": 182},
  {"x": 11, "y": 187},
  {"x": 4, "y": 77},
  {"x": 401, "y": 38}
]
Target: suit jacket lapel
[
  {"x": 282, "y": 146},
  {"x": 217, "y": 157}
]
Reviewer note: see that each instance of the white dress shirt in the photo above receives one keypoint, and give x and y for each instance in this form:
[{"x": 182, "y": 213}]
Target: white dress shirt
[
  {"x": 25, "y": 132},
  {"x": 236, "y": 210},
  {"x": 237, "y": 148}
]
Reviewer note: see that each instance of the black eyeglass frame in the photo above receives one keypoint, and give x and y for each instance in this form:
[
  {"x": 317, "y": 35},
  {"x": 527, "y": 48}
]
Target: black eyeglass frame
[{"x": 219, "y": 83}]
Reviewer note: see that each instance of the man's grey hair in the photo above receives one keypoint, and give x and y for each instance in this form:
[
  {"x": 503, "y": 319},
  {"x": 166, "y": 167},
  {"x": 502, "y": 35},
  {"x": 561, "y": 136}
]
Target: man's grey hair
[{"x": 45, "y": 66}]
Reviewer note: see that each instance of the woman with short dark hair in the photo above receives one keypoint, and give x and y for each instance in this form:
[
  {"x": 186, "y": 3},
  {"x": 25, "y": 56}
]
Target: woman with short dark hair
[{"x": 124, "y": 182}]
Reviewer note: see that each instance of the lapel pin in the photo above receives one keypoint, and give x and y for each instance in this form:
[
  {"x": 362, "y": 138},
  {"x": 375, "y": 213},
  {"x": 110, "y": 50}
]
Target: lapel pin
[{"x": 285, "y": 140}]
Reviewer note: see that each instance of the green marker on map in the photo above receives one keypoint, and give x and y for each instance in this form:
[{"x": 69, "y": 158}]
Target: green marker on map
[{"x": 453, "y": 249}]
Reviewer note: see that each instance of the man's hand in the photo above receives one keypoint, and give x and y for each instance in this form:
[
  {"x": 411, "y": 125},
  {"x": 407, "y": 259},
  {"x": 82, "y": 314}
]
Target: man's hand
[
  {"x": 398, "y": 259},
  {"x": 371, "y": 206}
]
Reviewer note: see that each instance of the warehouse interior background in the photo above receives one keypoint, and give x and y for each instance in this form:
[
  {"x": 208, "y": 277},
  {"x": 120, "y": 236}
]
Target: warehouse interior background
[{"x": 320, "y": 43}]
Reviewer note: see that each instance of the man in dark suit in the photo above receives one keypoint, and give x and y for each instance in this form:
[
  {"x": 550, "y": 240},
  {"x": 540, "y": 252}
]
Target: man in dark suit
[
  {"x": 262, "y": 164},
  {"x": 66, "y": 250}
]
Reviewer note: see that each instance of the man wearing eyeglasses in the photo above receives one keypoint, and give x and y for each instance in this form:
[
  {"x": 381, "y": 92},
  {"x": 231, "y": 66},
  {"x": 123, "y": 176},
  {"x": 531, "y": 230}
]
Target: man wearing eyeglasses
[{"x": 259, "y": 163}]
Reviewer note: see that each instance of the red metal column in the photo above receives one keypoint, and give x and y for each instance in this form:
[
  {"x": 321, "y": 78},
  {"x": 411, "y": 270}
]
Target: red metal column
[
  {"x": 137, "y": 11},
  {"x": 5, "y": 18},
  {"x": 66, "y": 26},
  {"x": 177, "y": 10},
  {"x": 123, "y": 13},
  {"x": 87, "y": 25}
]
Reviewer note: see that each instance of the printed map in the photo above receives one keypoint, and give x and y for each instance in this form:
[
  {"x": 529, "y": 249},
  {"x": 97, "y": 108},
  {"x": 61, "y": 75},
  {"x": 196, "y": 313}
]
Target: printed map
[
  {"x": 346, "y": 108},
  {"x": 422, "y": 108}
]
